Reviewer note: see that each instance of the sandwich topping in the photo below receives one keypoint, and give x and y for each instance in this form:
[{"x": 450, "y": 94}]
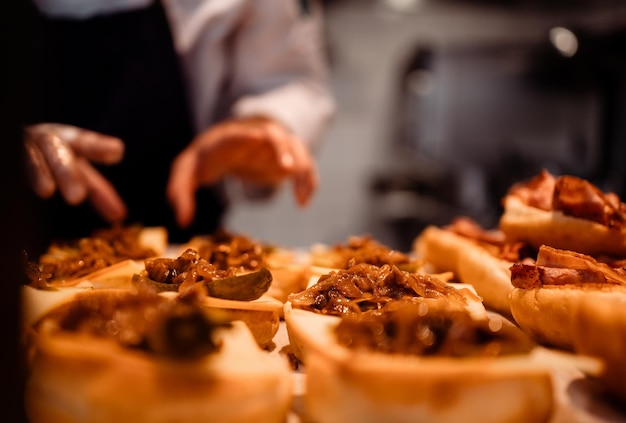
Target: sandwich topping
[
  {"x": 363, "y": 249},
  {"x": 560, "y": 267},
  {"x": 66, "y": 260},
  {"x": 189, "y": 270},
  {"x": 226, "y": 250},
  {"x": 572, "y": 196},
  {"x": 364, "y": 287},
  {"x": 178, "y": 328}
]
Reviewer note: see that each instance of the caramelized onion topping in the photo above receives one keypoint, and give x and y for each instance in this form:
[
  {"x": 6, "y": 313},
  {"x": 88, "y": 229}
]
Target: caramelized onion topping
[
  {"x": 226, "y": 250},
  {"x": 65, "y": 260},
  {"x": 365, "y": 287},
  {"x": 364, "y": 249}
]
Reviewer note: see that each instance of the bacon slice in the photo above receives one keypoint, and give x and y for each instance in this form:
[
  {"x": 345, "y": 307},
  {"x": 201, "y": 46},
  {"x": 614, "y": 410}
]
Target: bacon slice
[
  {"x": 573, "y": 196},
  {"x": 561, "y": 267},
  {"x": 579, "y": 198}
]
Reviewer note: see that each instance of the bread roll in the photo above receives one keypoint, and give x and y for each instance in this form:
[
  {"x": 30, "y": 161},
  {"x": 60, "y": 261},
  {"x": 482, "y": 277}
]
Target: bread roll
[
  {"x": 77, "y": 377},
  {"x": 356, "y": 385},
  {"x": 599, "y": 329},
  {"x": 565, "y": 212},
  {"x": 546, "y": 313},
  {"x": 538, "y": 227}
]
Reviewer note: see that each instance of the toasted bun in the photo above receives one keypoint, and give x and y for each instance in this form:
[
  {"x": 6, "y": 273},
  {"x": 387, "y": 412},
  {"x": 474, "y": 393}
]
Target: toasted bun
[
  {"x": 535, "y": 226},
  {"x": 546, "y": 312},
  {"x": 471, "y": 263},
  {"x": 290, "y": 273},
  {"x": 345, "y": 385},
  {"x": 599, "y": 329},
  {"x": 75, "y": 377}
]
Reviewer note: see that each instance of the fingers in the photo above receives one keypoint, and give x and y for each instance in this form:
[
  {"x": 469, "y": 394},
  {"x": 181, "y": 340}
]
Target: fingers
[
  {"x": 258, "y": 151},
  {"x": 182, "y": 186},
  {"x": 39, "y": 173},
  {"x": 282, "y": 146},
  {"x": 102, "y": 195},
  {"x": 296, "y": 162},
  {"x": 58, "y": 158},
  {"x": 98, "y": 148},
  {"x": 62, "y": 164},
  {"x": 305, "y": 177}
]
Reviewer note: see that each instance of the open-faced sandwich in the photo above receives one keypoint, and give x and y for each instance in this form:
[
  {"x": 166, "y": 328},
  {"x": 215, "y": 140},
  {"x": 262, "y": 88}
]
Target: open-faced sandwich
[
  {"x": 380, "y": 344},
  {"x": 239, "y": 293},
  {"x": 565, "y": 212},
  {"x": 547, "y": 291},
  {"x": 110, "y": 355},
  {"x": 476, "y": 256},
  {"x": 107, "y": 258},
  {"x": 571, "y": 301},
  {"x": 365, "y": 287}
]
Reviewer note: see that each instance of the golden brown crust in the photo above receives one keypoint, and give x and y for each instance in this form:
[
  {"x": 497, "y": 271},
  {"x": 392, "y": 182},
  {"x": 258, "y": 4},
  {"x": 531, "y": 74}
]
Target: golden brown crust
[
  {"x": 290, "y": 271},
  {"x": 599, "y": 329},
  {"x": 546, "y": 313},
  {"x": 74, "y": 377},
  {"x": 345, "y": 385},
  {"x": 535, "y": 226},
  {"x": 470, "y": 262}
]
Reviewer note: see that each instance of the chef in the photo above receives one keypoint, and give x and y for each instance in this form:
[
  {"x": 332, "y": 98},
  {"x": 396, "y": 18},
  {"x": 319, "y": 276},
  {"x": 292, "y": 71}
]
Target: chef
[{"x": 138, "y": 110}]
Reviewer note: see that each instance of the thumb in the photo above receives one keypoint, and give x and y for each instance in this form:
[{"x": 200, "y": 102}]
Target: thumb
[{"x": 181, "y": 188}]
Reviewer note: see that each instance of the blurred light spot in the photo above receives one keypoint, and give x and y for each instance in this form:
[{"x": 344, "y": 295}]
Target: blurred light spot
[
  {"x": 564, "y": 41},
  {"x": 495, "y": 324},
  {"x": 402, "y": 5}
]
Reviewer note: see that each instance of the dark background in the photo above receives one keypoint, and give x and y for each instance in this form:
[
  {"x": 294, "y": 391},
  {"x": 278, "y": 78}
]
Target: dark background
[{"x": 16, "y": 228}]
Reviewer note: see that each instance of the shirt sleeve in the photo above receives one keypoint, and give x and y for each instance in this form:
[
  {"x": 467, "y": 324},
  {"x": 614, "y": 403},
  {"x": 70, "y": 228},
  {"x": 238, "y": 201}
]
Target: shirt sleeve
[{"x": 279, "y": 67}]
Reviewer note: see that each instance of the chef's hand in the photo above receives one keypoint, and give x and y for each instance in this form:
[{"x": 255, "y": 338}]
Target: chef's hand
[
  {"x": 58, "y": 157},
  {"x": 257, "y": 150}
]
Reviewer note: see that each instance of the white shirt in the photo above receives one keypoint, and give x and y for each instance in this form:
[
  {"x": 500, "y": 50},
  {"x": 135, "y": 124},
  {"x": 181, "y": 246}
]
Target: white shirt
[{"x": 240, "y": 57}]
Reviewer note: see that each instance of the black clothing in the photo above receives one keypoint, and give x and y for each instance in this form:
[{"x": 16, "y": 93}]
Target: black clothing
[{"x": 118, "y": 75}]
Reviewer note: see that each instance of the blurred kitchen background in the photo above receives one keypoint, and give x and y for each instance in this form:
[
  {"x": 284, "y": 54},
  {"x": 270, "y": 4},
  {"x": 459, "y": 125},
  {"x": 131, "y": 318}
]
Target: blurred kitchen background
[{"x": 442, "y": 105}]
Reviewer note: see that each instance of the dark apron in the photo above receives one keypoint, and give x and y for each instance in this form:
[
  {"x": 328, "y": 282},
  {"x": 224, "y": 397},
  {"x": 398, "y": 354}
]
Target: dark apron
[{"x": 118, "y": 75}]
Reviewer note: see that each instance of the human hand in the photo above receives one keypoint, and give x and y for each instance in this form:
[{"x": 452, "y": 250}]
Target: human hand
[
  {"x": 58, "y": 156},
  {"x": 256, "y": 150}
]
